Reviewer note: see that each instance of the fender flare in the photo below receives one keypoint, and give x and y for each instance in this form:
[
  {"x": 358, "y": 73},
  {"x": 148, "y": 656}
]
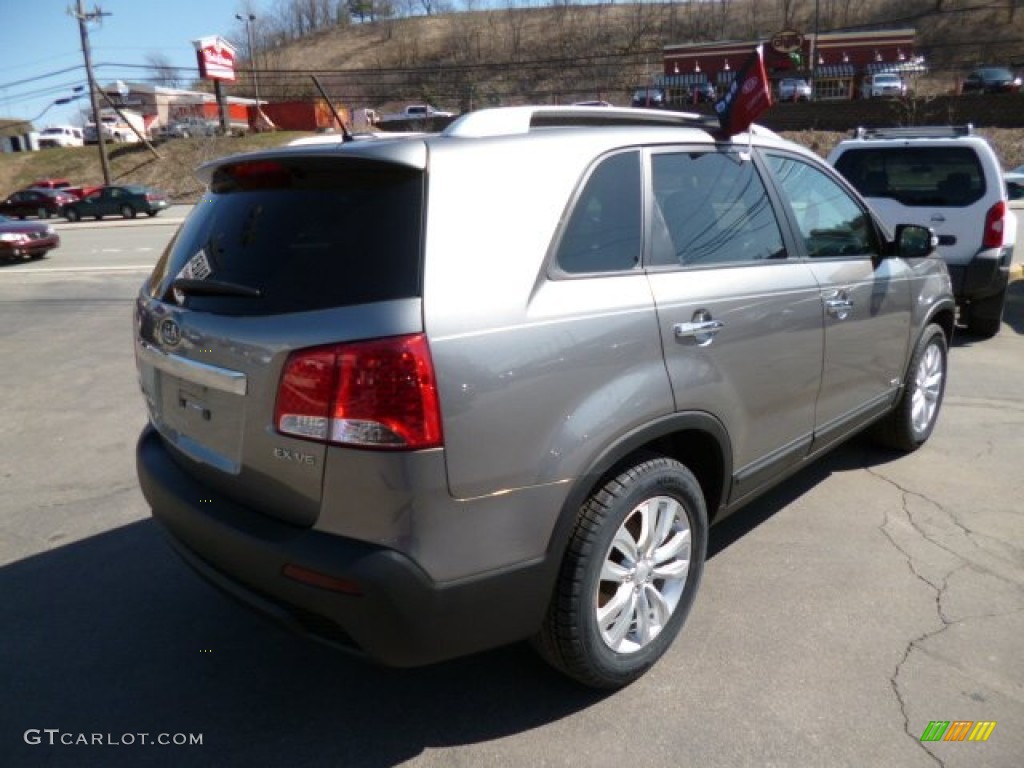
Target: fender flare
[{"x": 612, "y": 455}]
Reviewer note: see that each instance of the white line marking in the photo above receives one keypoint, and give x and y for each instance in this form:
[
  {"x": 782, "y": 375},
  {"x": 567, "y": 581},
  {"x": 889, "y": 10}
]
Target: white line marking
[{"x": 49, "y": 270}]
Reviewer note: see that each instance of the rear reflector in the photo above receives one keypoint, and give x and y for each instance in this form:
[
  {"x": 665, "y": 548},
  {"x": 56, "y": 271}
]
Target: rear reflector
[
  {"x": 321, "y": 580},
  {"x": 374, "y": 394}
]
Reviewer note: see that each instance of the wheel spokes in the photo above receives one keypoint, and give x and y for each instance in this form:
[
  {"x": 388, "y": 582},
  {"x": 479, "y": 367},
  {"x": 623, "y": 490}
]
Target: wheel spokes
[{"x": 643, "y": 574}]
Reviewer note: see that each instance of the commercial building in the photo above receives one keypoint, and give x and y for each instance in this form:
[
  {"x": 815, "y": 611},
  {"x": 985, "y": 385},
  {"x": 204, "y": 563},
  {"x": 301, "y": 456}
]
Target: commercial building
[{"x": 833, "y": 62}]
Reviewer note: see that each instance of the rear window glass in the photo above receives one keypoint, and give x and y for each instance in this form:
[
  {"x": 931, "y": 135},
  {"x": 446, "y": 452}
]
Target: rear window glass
[
  {"x": 916, "y": 176},
  {"x": 296, "y": 235}
]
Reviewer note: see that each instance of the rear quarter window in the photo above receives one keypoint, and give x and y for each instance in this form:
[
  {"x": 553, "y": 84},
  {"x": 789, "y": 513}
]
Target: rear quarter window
[
  {"x": 305, "y": 233},
  {"x": 916, "y": 176}
]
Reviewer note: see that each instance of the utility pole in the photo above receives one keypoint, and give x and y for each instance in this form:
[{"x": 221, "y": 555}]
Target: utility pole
[{"x": 83, "y": 19}]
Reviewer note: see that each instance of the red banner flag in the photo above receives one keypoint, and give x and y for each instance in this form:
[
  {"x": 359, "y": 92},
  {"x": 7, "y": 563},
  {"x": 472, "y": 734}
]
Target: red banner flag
[{"x": 747, "y": 96}]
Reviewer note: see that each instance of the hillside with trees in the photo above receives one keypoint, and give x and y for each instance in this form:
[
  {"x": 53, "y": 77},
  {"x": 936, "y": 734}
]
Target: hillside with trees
[{"x": 461, "y": 55}]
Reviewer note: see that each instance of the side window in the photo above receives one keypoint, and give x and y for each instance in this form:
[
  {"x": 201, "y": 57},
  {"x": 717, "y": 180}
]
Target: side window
[
  {"x": 831, "y": 222},
  {"x": 711, "y": 208},
  {"x": 604, "y": 232}
]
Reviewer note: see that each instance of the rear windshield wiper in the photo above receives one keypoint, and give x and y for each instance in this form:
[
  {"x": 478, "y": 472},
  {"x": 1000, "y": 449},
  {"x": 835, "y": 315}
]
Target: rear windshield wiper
[{"x": 192, "y": 287}]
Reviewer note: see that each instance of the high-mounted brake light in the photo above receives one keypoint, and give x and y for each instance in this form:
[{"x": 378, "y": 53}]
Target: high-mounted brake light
[
  {"x": 994, "y": 224},
  {"x": 375, "y": 394},
  {"x": 252, "y": 174}
]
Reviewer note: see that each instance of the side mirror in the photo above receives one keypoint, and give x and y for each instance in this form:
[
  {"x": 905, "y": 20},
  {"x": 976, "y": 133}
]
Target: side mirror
[{"x": 915, "y": 242}]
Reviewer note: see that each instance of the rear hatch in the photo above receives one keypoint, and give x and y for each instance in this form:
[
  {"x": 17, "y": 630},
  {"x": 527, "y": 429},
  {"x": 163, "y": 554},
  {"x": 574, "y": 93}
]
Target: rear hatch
[
  {"x": 288, "y": 250},
  {"x": 942, "y": 187}
]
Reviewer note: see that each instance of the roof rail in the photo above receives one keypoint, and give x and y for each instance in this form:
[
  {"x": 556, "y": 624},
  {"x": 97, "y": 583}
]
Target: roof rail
[
  {"x": 916, "y": 132},
  {"x": 504, "y": 121}
]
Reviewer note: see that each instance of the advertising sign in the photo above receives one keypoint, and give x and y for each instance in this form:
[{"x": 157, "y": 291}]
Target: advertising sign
[{"x": 216, "y": 57}]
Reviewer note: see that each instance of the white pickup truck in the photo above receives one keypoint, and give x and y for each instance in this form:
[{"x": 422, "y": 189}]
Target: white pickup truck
[{"x": 416, "y": 112}]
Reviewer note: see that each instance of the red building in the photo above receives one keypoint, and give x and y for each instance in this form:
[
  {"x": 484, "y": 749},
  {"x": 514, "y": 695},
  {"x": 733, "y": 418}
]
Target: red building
[{"x": 834, "y": 62}]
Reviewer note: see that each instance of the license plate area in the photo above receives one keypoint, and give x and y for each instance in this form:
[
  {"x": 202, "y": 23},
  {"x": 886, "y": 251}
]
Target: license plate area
[{"x": 204, "y": 423}]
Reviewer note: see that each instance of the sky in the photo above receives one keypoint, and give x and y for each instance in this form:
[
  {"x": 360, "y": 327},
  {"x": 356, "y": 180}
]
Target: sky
[{"x": 41, "y": 50}]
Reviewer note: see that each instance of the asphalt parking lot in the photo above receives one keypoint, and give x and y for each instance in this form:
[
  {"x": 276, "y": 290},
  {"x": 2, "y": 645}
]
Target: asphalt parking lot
[{"x": 862, "y": 600}]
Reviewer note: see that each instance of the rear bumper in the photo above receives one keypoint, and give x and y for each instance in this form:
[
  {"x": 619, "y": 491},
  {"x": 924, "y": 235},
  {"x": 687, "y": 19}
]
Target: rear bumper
[
  {"x": 399, "y": 617},
  {"x": 986, "y": 274}
]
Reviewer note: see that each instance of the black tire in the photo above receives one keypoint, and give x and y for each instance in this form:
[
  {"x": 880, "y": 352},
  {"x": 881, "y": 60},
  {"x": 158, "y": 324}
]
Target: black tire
[
  {"x": 574, "y": 638},
  {"x": 151, "y": 214},
  {"x": 911, "y": 421},
  {"x": 72, "y": 214},
  {"x": 127, "y": 211},
  {"x": 985, "y": 316}
]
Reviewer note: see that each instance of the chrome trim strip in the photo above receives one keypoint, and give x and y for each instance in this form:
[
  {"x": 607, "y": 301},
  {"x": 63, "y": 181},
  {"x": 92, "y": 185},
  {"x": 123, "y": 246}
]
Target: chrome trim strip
[{"x": 223, "y": 379}]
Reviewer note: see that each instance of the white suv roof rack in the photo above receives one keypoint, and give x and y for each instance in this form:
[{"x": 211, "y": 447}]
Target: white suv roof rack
[
  {"x": 916, "y": 132},
  {"x": 504, "y": 121}
]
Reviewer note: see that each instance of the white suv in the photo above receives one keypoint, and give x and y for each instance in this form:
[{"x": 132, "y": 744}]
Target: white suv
[
  {"x": 61, "y": 136},
  {"x": 883, "y": 84},
  {"x": 949, "y": 179}
]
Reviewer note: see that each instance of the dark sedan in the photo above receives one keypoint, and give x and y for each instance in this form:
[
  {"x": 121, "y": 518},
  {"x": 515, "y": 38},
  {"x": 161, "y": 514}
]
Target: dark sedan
[
  {"x": 26, "y": 239},
  {"x": 991, "y": 80},
  {"x": 127, "y": 201},
  {"x": 43, "y": 203}
]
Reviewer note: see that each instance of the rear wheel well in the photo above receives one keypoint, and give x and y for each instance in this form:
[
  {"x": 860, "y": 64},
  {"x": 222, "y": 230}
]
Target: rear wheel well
[
  {"x": 702, "y": 455},
  {"x": 695, "y": 449}
]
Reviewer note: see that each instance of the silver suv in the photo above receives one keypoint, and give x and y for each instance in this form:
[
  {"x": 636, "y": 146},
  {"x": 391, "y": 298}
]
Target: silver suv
[
  {"x": 425, "y": 396},
  {"x": 948, "y": 179}
]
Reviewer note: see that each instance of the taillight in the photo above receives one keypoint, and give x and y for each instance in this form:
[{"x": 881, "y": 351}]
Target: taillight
[
  {"x": 994, "y": 223},
  {"x": 375, "y": 394}
]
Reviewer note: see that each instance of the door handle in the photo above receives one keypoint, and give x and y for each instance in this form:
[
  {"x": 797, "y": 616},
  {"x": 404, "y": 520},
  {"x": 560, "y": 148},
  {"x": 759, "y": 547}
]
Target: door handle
[
  {"x": 702, "y": 329},
  {"x": 839, "y": 308}
]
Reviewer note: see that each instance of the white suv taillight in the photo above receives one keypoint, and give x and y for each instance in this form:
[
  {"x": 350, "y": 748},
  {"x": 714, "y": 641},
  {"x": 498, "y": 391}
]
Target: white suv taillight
[
  {"x": 374, "y": 394},
  {"x": 994, "y": 224}
]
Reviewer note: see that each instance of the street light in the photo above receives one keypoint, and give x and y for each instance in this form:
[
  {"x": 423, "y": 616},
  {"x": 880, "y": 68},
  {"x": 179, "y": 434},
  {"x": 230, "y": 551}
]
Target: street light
[
  {"x": 56, "y": 103},
  {"x": 249, "y": 19}
]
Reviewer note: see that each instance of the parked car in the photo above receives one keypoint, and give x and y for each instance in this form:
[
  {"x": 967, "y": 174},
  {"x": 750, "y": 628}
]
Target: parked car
[
  {"x": 949, "y": 179},
  {"x": 700, "y": 93},
  {"x": 189, "y": 127},
  {"x": 991, "y": 80},
  {"x": 26, "y": 239},
  {"x": 883, "y": 85},
  {"x": 61, "y": 136},
  {"x": 794, "y": 89},
  {"x": 51, "y": 183},
  {"x": 1015, "y": 184},
  {"x": 649, "y": 97},
  {"x": 42, "y": 203},
  {"x": 421, "y": 430},
  {"x": 127, "y": 201}
]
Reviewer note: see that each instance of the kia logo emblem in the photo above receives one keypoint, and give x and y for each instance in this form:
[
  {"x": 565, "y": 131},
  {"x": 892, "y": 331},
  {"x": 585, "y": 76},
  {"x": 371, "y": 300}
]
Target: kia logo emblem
[{"x": 170, "y": 333}]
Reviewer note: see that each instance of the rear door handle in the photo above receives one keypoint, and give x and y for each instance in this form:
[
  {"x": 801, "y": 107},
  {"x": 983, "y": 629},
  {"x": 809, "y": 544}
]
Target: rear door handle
[
  {"x": 839, "y": 308},
  {"x": 702, "y": 328}
]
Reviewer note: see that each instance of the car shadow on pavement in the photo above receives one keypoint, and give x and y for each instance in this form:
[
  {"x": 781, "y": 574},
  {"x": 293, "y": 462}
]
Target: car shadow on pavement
[
  {"x": 857, "y": 453},
  {"x": 114, "y": 636},
  {"x": 1013, "y": 314}
]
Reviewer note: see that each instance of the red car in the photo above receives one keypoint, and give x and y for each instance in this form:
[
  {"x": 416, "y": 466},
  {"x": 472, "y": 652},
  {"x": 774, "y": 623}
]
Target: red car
[
  {"x": 26, "y": 239},
  {"x": 41, "y": 202}
]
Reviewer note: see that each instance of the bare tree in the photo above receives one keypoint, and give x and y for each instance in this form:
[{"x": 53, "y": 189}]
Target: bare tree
[{"x": 163, "y": 72}]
